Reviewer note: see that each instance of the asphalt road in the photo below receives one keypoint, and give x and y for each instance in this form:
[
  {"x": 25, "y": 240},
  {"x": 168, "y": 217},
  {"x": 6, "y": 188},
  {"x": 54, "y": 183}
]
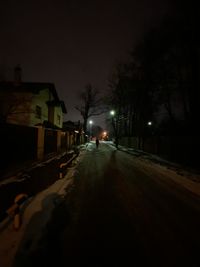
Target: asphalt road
[{"x": 119, "y": 213}]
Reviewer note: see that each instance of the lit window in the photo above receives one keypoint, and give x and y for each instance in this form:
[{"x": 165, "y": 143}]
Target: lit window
[{"x": 38, "y": 112}]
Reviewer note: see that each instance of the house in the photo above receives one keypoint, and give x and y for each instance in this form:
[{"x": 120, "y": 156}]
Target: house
[{"x": 30, "y": 103}]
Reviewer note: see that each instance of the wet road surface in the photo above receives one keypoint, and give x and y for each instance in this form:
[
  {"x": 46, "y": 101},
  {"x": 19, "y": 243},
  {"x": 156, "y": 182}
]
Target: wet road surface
[{"x": 119, "y": 213}]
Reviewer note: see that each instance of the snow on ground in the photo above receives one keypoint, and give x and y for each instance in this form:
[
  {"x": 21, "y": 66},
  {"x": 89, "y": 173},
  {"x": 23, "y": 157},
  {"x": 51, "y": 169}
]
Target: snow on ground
[
  {"x": 19, "y": 176},
  {"x": 186, "y": 177},
  {"x": 46, "y": 200},
  {"x": 42, "y": 203},
  {"x": 188, "y": 180}
]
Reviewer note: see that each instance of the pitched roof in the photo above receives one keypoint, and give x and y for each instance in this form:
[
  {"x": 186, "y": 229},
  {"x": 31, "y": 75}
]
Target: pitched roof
[
  {"x": 34, "y": 88},
  {"x": 29, "y": 86},
  {"x": 57, "y": 103}
]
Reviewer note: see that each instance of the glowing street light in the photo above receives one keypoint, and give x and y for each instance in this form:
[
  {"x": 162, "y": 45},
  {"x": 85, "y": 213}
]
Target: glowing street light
[
  {"x": 115, "y": 126},
  {"x": 149, "y": 123},
  {"x": 90, "y": 123},
  {"x": 104, "y": 135},
  {"x": 112, "y": 112}
]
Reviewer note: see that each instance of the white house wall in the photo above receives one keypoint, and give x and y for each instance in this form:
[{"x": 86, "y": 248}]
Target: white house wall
[
  {"x": 40, "y": 100},
  {"x": 58, "y": 112}
]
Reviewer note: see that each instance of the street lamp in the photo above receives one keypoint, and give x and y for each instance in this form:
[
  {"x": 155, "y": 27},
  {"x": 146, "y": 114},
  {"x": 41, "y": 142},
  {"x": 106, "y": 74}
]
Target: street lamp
[
  {"x": 115, "y": 128},
  {"x": 151, "y": 127},
  {"x": 90, "y": 123},
  {"x": 104, "y": 135},
  {"x": 112, "y": 112}
]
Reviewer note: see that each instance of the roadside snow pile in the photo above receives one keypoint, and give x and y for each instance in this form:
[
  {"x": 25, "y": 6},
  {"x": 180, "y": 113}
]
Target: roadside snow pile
[
  {"x": 189, "y": 173},
  {"x": 187, "y": 177},
  {"x": 41, "y": 205},
  {"x": 190, "y": 180}
]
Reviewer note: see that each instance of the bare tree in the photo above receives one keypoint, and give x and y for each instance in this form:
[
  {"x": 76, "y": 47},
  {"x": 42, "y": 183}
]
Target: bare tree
[{"x": 91, "y": 104}]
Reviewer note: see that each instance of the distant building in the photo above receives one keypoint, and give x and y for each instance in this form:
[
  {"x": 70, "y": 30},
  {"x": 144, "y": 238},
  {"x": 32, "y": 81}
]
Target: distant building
[
  {"x": 75, "y": 129},
  {"x": 30, "y": 103}
]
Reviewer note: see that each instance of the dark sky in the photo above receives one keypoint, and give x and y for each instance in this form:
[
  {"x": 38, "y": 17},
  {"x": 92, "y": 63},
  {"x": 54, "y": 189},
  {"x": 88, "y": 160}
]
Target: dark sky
[{"x": 72, "y": 43}]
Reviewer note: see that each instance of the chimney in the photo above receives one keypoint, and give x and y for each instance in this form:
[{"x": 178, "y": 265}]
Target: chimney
[{"x": 17, "y": 75}]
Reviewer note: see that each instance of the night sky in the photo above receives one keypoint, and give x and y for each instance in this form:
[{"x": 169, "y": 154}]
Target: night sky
[{"x": 72, "y": 43}]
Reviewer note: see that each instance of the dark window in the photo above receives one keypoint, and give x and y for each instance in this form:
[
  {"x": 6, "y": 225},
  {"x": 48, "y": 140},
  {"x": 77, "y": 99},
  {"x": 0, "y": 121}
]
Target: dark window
[
  {"x": 58, "y": 119},
  {"x": 38, "y": 112}
]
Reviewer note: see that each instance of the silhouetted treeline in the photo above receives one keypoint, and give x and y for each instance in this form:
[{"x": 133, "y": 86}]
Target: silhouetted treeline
[{"x": 160, "y": 83}]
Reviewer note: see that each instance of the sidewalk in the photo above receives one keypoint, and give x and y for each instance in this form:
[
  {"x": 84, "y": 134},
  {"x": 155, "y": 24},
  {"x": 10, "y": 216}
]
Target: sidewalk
[
  {"x": 32, "y": 180},
  {"x": 37, "y": 212},
  {"x": 161, "y": 161},
  {"x": 187, "y": 177}
]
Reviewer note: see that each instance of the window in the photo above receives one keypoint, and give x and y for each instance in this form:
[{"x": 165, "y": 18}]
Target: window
[
  {"x": 58, "y": 119},
  {"x": 38, "y": 112}
]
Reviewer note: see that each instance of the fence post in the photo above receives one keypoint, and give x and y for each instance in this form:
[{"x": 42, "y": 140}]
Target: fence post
[
  {"x": 14, "y": 210},
  {"x": 40, "y": 143},
  {"x": 58, "y": 140},
  {"x": 67, "y": 136}
]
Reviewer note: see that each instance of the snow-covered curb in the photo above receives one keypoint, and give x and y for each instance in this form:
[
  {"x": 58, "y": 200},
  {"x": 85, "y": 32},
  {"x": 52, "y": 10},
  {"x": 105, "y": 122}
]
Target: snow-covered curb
[
  {"x": 20, "y": 176},
  {"x": 181, "y": 177},
  {"x": 43, "y": 204},
  {"x": 189, "y": 179}
]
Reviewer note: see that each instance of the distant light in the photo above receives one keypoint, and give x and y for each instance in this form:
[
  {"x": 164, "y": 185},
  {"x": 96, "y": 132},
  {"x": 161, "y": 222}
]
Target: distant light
[
  {"x": 104, "y": 133},
  {"x": 76, "y": 131},
  {"x": 149, "y": 123},
  {"x": 112, "y": 112},
  {"x": 90, "y": 122}
]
